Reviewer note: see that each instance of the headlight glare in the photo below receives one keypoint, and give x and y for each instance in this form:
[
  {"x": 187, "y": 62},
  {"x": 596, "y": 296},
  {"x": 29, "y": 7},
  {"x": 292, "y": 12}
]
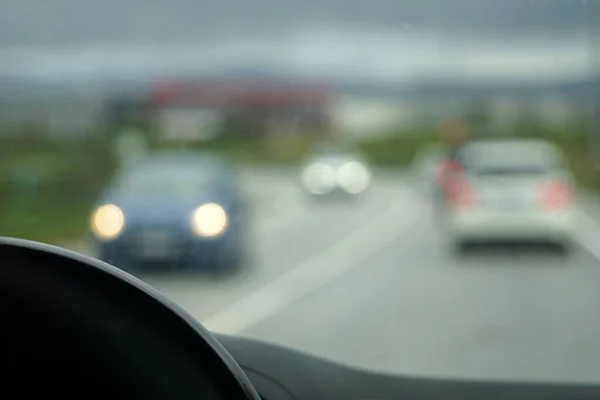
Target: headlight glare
[
  {"x": 209, "y": 220},
  {"x": 107, "y": 222},
  {"x": 354, "y": 177},
  {"x": 319, "y": 178}
]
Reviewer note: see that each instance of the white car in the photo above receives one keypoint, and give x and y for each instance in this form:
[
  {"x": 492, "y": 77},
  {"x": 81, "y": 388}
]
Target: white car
[
  {"x": 329, "y": 172},
  {"x": 511, "y": 190}
]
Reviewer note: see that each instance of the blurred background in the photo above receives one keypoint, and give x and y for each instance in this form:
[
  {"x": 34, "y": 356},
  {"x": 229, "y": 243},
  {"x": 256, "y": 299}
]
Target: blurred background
[{"x": 87, "y": 87}]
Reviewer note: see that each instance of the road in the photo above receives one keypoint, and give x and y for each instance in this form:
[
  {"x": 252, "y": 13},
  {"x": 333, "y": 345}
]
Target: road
[{"x": 372, "y": 284}]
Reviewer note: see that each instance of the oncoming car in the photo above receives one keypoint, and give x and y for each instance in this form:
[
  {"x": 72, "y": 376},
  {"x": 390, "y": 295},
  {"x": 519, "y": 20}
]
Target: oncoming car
[
  {"x": 511, "y": 190},
  {"x": 178, "y": 209},
  {"x": 332, "y": 171}
]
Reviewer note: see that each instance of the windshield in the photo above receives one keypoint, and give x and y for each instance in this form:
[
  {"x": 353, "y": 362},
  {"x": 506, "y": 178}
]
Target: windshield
[
  {"x": 511, "y": 158},
  {"x": 373, "y": 256},
  {"x": 161, "y": 180}
]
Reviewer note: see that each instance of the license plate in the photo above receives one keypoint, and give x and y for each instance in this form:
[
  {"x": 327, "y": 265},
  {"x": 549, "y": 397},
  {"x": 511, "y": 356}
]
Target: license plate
[{"x": 156, "y": 245}]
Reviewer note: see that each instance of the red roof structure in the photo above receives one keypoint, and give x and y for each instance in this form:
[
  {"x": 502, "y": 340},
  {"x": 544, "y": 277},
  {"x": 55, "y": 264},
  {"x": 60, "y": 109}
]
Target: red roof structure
[{"x": 230, "y": 94}]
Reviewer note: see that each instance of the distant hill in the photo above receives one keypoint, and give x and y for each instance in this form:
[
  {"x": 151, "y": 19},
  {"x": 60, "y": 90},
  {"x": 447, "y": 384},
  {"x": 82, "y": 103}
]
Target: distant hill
[{"x": 468, "y": 90}]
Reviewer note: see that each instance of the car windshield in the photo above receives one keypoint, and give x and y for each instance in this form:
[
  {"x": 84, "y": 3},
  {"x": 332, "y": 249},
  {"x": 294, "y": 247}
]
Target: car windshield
[
  {"x": 160, "y": 180},
  {"x": 330, "y": 237},
  {"x": 511, "y": 158}
]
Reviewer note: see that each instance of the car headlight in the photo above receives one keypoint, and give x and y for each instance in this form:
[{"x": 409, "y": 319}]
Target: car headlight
[
  {"x": 107, "y": 222},
  {"x": 354, "y": 177},
  {"x": 319, "y": 178},
  {"x": 209, "y": 220}
]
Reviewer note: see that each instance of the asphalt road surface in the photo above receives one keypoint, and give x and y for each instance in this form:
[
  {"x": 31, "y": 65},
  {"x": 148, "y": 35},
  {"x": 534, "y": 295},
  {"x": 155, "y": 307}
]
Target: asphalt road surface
[{"x": 371, "y": 283}]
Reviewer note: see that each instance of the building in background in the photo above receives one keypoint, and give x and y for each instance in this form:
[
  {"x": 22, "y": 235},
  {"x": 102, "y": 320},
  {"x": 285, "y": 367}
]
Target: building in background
[
  {"x": 263, "y": 107},
  {"x": 204, "y": 109}
]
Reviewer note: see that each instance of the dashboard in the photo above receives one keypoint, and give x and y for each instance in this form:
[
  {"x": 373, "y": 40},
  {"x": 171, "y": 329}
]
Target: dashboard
[
  {"x": 279, "y": 373},
  {"x": 144, "y": 346}
]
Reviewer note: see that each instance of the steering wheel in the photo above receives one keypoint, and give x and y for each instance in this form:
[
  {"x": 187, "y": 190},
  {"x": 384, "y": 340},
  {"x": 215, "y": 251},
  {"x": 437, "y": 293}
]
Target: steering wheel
[{"x": 75, "y": 326}]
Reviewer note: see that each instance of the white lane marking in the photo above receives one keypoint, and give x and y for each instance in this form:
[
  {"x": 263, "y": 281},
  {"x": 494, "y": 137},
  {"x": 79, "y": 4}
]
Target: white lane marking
[{"x": 337, "y": 260}]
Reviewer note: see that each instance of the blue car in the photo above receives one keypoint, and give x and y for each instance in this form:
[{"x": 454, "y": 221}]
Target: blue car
[{"x": 177, "y": 209}]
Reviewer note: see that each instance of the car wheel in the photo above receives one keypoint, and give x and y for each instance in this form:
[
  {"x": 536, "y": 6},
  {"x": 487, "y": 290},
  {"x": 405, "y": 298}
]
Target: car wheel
[
  {"x": 562, "y": 249},
  {"x": 460, "y": 248}
]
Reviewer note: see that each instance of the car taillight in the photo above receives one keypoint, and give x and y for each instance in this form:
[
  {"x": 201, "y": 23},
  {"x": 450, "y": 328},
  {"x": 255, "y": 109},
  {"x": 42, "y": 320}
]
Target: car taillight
[
  {"x": 459, "y": 194},
  {"x": 555, "y": 195}
]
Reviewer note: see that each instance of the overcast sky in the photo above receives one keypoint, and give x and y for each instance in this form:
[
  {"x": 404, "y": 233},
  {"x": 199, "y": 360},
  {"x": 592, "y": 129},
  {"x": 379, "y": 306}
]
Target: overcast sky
[{"x": 384, "y": 39}]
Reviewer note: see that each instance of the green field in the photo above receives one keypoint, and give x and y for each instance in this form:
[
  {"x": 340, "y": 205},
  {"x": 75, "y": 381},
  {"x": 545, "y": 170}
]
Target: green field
[{"x": 55, "y": 206}]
